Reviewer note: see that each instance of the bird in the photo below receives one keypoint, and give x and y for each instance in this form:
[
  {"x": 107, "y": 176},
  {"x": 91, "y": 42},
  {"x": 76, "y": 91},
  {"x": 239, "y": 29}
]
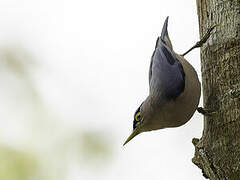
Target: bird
[{"x": 174, "y": 90}]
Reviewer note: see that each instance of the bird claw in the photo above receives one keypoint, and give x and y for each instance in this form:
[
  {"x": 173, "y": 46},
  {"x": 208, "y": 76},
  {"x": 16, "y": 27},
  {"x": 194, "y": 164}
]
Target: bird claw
[
  {"x": 203, "y": 39},
  {"x": 206, "y": 112},
  {"x": 207, "y": 35}
]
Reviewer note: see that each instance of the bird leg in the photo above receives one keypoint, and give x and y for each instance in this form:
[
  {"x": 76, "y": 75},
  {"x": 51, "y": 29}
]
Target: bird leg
[
  {"x": 204, "y": 111},
  {"x": 203, "y": 40}
]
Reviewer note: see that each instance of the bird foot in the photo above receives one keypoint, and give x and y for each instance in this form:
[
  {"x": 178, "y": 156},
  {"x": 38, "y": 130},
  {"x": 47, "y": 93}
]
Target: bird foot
[
  {"x": 203, "y": 40},
  {"x": 206, "y": 112}
]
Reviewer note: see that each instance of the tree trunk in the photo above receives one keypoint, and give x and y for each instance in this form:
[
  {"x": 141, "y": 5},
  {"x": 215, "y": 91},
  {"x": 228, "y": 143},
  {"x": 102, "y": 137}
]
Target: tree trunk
[{"x": 217, "y": 153}]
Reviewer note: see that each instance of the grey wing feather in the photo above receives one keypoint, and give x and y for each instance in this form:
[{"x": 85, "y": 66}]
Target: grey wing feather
[
  {"x": 166, "y": 74},
  {"x": 150, "y": 68}
]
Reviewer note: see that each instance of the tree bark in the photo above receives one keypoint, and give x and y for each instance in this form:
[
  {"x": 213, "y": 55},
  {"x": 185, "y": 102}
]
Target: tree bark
[{"x": 217, "y": 153}]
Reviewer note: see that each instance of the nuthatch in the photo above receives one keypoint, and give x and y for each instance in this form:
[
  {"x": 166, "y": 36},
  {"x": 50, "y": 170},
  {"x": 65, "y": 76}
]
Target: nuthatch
[{"x": 174, "y": 90}]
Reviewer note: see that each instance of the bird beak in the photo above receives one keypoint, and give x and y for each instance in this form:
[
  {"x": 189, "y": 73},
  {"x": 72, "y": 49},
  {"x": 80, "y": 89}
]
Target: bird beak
[{"x": 132, "y": 135}]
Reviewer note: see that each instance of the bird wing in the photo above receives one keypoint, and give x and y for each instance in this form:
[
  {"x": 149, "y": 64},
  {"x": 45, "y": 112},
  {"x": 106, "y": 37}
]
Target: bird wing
[
  {"x": 166, "y": 74},
  {"x": 150, "y": 69}
]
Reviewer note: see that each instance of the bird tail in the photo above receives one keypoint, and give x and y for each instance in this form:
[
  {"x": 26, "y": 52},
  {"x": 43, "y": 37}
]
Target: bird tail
[
  {"x": 164, "y": 36},
  {"x": 164, "y": 29}
]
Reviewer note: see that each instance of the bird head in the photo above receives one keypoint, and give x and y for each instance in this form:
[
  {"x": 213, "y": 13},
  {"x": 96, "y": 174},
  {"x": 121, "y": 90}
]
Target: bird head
[
  {"x": 137, "y": 124},
  {"x": 144, "y": 118}
]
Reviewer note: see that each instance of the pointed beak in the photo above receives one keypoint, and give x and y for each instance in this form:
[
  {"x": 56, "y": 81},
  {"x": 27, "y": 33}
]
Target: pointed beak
[{"x": 132, "y": 135}]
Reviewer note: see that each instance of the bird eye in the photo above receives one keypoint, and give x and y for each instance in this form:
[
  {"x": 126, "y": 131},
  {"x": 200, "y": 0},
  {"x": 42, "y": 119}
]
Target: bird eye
[{"x": 138, "y": 116}]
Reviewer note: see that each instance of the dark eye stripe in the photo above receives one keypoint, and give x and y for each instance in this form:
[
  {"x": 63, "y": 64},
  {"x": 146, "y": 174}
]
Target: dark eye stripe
[{"x": 135, "y": 124}]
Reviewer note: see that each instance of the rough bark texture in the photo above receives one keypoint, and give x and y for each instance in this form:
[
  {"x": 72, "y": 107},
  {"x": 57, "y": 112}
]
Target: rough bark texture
[{"x": 217, "y": 153}]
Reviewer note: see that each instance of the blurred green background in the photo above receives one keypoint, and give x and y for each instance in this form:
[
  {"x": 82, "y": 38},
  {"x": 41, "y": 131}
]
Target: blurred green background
[{"x": 34, "y": 145}]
